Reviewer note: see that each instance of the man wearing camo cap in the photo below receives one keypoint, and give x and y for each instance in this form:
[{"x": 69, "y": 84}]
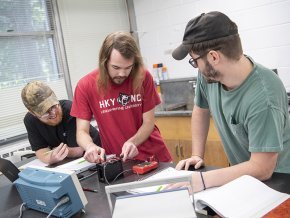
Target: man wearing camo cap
[{"x": 51, "y": 130}]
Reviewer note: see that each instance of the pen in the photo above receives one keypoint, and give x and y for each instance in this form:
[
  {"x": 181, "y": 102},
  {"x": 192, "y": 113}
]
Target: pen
[
  {"x": 81, "y": 161},
  {"x": 47, "y": 152},
  {"x": 159, "y": 188},
  {"x": 90, "y": 190}
]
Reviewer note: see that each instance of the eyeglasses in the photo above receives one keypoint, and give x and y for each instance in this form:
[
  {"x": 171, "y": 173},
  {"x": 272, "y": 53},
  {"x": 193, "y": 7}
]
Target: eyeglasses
[
  {"x": 193, "y": 61},
  {"x": 50, "y": 113}
]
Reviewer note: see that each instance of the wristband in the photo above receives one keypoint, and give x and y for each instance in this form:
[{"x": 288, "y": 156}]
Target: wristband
[{"x": 204, "y": 188}]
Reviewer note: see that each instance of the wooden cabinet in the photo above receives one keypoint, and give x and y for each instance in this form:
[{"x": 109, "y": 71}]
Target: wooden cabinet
[
  {"x": 176, "y": 132},
  {"x": 215, "y": 155},
  {"x": 179, "y": 149}
]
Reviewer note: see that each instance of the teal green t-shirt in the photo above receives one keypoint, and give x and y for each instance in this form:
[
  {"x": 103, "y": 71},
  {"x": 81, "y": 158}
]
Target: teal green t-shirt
[{"x": 250, "y": 118}]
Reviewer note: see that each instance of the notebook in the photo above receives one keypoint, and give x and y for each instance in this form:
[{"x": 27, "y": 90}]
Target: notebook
[
  {"x": 78, "y": 165},
  {"x": 165, "y": 173},
  {"x": 35, "y": 162},
  {"x": 245, "y": 196},
  {"x": 228, "y": 200}
]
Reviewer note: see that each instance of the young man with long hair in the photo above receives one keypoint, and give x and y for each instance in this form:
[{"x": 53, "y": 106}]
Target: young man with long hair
[{"x": 121, "y": 96}]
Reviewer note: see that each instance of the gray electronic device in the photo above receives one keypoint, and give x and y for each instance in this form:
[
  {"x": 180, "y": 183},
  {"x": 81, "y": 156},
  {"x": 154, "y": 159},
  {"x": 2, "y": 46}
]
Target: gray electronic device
[{"x": 9, "y": 169}]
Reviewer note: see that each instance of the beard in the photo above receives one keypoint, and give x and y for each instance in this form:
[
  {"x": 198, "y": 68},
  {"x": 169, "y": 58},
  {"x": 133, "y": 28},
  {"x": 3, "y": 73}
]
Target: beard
[
  {"x": 54, "y": 121},
  {"x": 210, "y": 74},
  {"x": 118, "y": 80}
]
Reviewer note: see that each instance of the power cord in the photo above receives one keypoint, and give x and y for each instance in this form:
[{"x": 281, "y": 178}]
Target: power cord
[
  {"x": 62, "y": 201},
  {"x": 21, "y": 209}
]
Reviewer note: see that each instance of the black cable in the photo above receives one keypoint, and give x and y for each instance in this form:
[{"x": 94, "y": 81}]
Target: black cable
[
  {"x": 204, "y": 187},
  {"x": 121, "y": 174},
  {"x": 116, "y": 176},
  {"x": 85, "y": 177}
]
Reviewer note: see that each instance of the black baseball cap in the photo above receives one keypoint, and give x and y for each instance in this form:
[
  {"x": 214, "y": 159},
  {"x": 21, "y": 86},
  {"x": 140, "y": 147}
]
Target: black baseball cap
[{"x": 205, "y": 27}]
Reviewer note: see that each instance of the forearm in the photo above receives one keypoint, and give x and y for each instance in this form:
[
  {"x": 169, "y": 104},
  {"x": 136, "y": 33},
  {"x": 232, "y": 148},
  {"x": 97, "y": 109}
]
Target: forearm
[
  {"x": 261, "y": 166},
  {"x": 75, "y": 152},
  {"x": 93, "y": 153},
  {"x": 200, "y": 124},
  {"x": 142, "y": 134},
  {"x": 145, "y": 130},
  {"x": 84, "y": 139},
  {"x": 44, "y": 155}
]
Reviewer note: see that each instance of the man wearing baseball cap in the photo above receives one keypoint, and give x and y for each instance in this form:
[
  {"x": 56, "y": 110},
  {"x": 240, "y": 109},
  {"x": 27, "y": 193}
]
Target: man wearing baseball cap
[
  {"x": 51, "y": 130},
  {"x": 247, "y": 102}
]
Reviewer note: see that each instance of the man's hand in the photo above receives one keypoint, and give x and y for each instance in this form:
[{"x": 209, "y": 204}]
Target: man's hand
[
  {"x": 129, "y": 151},
  {"x": 197, "y": 184},
  {"x": 179, "y": 185},
  {"x": 193, "y": 160},
  {"x": 95, "y": 154},
  {"x": 59, "y": 153}
]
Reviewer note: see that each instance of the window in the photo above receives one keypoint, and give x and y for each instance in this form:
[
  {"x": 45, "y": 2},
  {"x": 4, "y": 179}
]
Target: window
[{"x": 28, "y": 52}]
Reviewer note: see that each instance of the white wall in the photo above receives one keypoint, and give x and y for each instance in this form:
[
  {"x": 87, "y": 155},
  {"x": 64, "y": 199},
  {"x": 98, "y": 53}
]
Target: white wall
[
  {"x": 264, "y": 27},
  {"x": 85, "y": 24}
]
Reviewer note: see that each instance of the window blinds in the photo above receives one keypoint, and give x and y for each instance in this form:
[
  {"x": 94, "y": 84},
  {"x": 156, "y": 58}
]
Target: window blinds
[
  {"x": 27, "y": 53},
  {"x": 29, "y": 41}
]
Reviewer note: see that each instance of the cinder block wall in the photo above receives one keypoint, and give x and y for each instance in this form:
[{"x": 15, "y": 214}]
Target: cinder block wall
[{"x": 264, "y": 26}]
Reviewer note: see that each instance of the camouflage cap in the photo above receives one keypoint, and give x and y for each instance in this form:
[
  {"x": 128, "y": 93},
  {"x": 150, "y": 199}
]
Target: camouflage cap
[{"x": 38, "y": 97}]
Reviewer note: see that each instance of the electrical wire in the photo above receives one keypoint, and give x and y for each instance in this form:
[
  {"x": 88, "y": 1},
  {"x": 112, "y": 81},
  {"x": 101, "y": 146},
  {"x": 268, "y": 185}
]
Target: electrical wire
[
  {"x": 21, "y": 209},
  {"x": 139, "y": 179},
  {"x": 105, "y": 174},
  {"x": 116, "y": 176},
  {"x": 112, "y": 161},
  {"x": 61, "y": 202},
  {"x": 121, "y": 173},
  {"x": 85, "y": 177}
]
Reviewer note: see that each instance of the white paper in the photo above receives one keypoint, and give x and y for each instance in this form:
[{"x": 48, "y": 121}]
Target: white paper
[
  {"x": 166, "y": 173},
  {"x": 35, "y": 162},
  {"x": 242, "y": 197},
  {"x": 171, "y": 204}
]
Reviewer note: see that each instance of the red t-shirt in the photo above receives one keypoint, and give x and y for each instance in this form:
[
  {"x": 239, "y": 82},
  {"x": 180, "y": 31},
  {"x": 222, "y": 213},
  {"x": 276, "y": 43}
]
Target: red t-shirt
[{"x": 119, "y": 114}]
